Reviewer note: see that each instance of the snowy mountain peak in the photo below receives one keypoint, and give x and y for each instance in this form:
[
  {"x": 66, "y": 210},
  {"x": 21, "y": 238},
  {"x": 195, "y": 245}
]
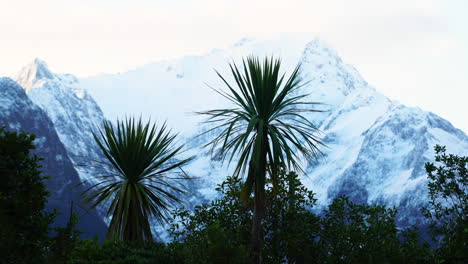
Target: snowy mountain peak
[
  {"x": 318, "y": 46},
  {"x": 40, "y": 63},
  {"x": 243, "y": 41},
  {"x": 73, "y": 112},
  {"x": 19, "y": 113},
  {"x": 37, "y": 75},
  {"x": 34, "y": 74},
  {"x": 376, "y": 147}
]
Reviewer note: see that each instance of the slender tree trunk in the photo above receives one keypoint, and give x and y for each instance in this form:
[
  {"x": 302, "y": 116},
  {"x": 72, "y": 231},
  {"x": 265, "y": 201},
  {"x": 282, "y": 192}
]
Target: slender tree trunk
[
  {"x": 259, "y": 170},
  {"x": 255, "y": 247}
]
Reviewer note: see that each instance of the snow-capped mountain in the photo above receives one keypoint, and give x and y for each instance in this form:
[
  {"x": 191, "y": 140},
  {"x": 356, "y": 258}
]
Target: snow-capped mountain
[
  {"x": 19, "y": 113},
  {"x": 376, "y": 147},
  {"x": 72, "y": 110}
]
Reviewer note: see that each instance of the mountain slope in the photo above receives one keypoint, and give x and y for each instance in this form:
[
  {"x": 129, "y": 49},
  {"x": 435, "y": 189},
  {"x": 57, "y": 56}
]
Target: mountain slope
[
  {"x": 376, "y": 147},
  {"x": 18, "y": 113},
  {"x": 72, "y": 110}
]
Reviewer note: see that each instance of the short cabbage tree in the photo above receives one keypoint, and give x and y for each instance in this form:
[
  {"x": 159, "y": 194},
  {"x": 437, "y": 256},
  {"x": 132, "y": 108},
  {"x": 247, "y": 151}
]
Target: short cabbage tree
[{"x": 146, "y": 178}]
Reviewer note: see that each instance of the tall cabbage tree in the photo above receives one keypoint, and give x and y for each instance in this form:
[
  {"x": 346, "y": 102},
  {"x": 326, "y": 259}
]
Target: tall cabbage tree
[
  {"x": 265, "y": 129},
  {"x": 146, "y": 178}
]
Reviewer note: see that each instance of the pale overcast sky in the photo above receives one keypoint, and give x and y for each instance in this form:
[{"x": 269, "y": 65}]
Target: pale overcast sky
[{"x": 414, "y": 51}]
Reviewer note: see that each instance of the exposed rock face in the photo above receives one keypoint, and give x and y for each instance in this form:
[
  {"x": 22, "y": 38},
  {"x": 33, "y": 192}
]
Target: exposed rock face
[
  {"x": 18, "y": 113},
  {"x": 376, "y": 147},
  {"x": 73, "y": 112}
]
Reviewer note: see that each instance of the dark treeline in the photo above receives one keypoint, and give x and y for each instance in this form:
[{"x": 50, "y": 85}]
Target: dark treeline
[{"x": 219, "y": 232}]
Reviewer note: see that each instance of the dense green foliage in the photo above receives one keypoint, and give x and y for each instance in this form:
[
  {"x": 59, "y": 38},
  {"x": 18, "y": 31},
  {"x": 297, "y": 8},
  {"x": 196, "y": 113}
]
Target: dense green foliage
[
  {"x": 346, "y": 233},
  {"x": 448, "y": 205},
  {"x": 218, "y": 232},
  {"x": 266, "y": 126},
  {"x": 224, "y": 225},
  {"x": 294, "y": 230},
  {"x": 64, "y": 241},
  {"x": 123, "y": 252},
  {"x": 215, "y": 231},
  {"x": 354, "y": 233},
  {"x": 23, "y": 222},
  {"x": 291, "y": 229},
  {"x": 144, "y": 182}
]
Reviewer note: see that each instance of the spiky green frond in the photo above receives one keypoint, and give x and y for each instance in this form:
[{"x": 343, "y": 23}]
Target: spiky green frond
[
  {"x": 145, "y": 181},
  {"x": 269, "y": 111}
]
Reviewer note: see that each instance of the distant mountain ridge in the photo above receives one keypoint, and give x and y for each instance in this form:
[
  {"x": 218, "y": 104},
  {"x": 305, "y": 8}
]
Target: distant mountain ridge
[
  {"x": 73, "y": 111},
  {"x": 19, "y": 113},
  {"x": 376, "y": 147}
]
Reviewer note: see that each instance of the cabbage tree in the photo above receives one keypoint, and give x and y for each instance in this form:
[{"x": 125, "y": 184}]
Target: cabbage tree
[
  {"x": 146, "y": 177},
  {"x": 265, "y": 129}
]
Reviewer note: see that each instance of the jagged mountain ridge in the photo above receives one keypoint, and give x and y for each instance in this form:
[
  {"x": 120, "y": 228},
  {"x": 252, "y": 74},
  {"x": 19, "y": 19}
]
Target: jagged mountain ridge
[
  {"x": 73, "y": 111},
  {"x": 19, "y": 113},
  {"x": 75, "y": 115},
  {"x": 376, "y": 147}
]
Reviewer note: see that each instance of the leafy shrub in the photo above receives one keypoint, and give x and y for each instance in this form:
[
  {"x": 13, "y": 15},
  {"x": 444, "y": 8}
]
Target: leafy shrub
[
  {"x": 65, "y": 241},
  {"x": 217, "y": 232},
  {"x": 121, "y": 252},
  {"x": 291, "y": 229},
  {"x": 448, "y": 205},
  {"x": 346, "y": 233},
  {"x": 24, "y": 224},
  {"x": 354, "y": 233}
]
